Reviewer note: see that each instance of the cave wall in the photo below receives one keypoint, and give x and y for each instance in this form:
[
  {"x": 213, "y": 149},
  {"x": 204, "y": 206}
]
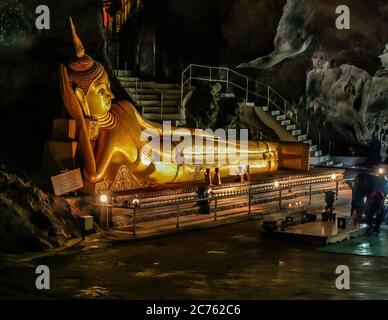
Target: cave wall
[
  {"x": 29, "y": 59},
  {"x": 218, "y": 32}
]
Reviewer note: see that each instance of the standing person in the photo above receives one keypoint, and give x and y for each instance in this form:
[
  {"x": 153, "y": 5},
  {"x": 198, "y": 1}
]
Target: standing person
[
  {"x": 247, "y": 174},
  {"x": 374, "y": 206},
  {"x": 208, "y": 180},
  {"x": 329, "y": 199},
  {"x": 217, "y": 177}
]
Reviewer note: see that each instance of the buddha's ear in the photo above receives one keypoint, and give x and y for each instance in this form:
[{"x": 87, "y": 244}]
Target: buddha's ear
[{"x": 82, "y": 100}]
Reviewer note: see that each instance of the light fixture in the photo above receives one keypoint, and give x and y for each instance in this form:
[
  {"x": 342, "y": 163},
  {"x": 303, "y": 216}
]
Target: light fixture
[
  {"x": 136, "y": 202},
  {"x": 103, "y": 198},
  {"x": 381, "y": 171},
  {"x": 276, "y": 184},
  {"x": 333, "y": 176}
]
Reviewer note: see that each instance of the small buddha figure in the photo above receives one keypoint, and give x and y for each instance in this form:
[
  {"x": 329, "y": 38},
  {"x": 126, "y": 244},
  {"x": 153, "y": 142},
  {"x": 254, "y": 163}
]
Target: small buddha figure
[{"x": 109, "y": 136}]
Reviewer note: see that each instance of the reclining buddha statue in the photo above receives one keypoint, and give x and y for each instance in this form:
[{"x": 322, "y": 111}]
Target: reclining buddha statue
[{"x": 114, "y": 140}]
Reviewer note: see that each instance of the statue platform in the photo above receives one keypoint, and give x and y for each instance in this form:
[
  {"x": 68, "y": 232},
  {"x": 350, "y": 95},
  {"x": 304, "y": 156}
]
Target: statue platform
[{"x": 317, "y": 232}]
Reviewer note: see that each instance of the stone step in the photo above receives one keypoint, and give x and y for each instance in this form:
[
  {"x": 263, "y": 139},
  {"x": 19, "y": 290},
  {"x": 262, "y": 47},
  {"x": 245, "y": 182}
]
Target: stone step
[
  {"x": 130, "y": 81},
  {"x": 313, "y": 148},
  {"x": 339, "y": 164},
  {"x": 317, "y": 153},
  {"x": 158, "y": 110},
  {"x": 158, "y": 117},
  {"x": 310, "y": 142},
  {"x": 291, "y": 127},
  {"x": 153, "y": 85},
  {"x": 321, "y": 160},
  {"x": 302, "y": 138},
  {"x": 155, "y": 97},
  {"x": 250, "y": 104},
  {"x": 145, "y": 103},
  {"x": 265, "y": 108},
  {"x": 275, "y": 113},
  {"x": 152, "y": 91},
  {"x": 281, "y": 117},
  {"x": 285, "y": 122},
  {"x": 122, "y": 73},
  {"x": 330, "y": 163},
  {"x": 296, "y": 132}
]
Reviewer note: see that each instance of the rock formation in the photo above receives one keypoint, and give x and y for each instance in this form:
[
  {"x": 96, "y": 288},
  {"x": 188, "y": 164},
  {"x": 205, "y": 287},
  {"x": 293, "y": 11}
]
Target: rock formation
[
  {"x": 351, "y": 103},
  {"x": 31, "y": 220}
]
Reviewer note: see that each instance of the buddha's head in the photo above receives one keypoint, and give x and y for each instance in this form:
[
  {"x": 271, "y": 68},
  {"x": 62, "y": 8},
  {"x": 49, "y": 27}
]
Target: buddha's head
[{"x": 89, "y": 81}]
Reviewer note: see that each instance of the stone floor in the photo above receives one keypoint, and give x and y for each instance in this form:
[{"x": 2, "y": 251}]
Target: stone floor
[{"x": 227, "y": 262}]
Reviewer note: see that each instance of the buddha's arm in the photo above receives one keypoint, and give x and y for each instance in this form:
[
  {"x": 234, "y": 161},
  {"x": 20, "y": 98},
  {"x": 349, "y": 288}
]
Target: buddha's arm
[{"x": 73, "y": 108}]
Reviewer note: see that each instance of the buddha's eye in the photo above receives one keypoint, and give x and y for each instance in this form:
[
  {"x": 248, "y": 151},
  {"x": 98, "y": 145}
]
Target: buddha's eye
[{"x": 101, "y": 92}]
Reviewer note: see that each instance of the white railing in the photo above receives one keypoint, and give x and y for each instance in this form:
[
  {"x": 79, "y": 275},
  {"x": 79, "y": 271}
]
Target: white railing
[{"x": 259, "y": 92}]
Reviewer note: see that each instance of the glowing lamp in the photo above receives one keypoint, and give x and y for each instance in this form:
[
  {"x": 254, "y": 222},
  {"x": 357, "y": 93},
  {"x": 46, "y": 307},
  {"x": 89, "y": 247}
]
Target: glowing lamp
[
  {"x": 333, "y": 176},
  {"x": 381, "y": 171},
  {"x": 276, "y": 184},
  {"x": 103, "y": 198}
]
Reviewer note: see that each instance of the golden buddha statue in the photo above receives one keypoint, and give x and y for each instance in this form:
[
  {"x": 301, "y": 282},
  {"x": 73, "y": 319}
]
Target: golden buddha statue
[{"x": 112, "y": 138}]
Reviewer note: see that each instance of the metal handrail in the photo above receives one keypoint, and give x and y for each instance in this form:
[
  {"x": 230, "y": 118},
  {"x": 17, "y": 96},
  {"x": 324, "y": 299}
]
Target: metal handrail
[{"x": 269, "y": 95}]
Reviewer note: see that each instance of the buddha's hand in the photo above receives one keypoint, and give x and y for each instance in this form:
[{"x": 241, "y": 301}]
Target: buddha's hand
[{"x": 69, "y": 99}]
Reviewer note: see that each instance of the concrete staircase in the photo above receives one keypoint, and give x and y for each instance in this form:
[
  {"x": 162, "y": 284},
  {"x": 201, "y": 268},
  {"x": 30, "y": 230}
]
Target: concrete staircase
[
  {"x": 156, "y": 101},
  {"x": 287, "y": 130}
]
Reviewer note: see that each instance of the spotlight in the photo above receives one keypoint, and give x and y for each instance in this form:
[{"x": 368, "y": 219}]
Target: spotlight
[{"x": 104, "y": 198}]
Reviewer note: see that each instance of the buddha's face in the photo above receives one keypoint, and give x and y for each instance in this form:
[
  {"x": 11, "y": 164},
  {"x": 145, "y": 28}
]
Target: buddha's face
[{"x": 97, "y": 101}]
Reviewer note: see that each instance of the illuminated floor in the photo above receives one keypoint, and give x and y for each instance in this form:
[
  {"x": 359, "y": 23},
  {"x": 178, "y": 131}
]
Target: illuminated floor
[
  {"x": 368, "y": 245},
  {"x": 228, "y": 262}
]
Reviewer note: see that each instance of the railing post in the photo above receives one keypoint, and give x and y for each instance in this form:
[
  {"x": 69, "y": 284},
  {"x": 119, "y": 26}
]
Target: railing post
[
  {"x": 134, "y": 222},
  {"x": 227, "y": 80},
  {"x": 336, "y": 189},
  {"x": 141, "y": 104},
  {"x": 247, "y": 91},
  {"x": 107, "y": 218},
  {"x": 310, "y": 194},
  {"x": 190, "y": 76},
  {"x": 308, "y": 127},
  {"x": 177, "y": 216},
  {"x": 161, "y": 105},
  {"x": 280, "y": 197},
  {"x": 215, "y": 209},
  {"x": 181, "y": 106},
  {"x": 319, "y": 140},
  {"x": 249, "y": 201},
  {"x": 268, "y": 88}
]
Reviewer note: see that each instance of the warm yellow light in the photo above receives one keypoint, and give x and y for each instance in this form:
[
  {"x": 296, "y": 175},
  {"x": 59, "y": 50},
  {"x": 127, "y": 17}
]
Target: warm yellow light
[
  {"x": 381, "y": 171},
  {"x": 333, "y": 176},
  {"x": 135, "y": 202},
  {"x": 276, "y": 184},
  {"x": 104, "y": 198}
]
